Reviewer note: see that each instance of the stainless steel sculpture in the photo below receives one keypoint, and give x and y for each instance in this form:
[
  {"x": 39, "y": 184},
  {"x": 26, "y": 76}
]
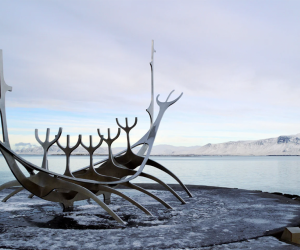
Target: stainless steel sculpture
[{"x": 98, "y": 178}]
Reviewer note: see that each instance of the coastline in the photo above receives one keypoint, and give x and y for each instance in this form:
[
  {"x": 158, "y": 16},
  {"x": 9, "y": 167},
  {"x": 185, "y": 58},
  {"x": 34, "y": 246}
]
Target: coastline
[{"x": 161, "y": 155}]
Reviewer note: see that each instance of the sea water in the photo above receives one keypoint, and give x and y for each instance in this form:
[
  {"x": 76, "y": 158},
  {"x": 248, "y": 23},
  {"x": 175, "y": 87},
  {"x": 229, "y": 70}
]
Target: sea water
[{"x": 266, "y": 173}]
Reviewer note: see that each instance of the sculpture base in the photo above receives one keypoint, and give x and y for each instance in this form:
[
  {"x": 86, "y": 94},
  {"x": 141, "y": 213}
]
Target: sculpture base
[{"x": 227, "y": 218}]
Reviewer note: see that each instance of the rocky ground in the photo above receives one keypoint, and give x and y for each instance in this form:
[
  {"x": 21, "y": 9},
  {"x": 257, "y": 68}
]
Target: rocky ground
[{"x": 215, "y": 218}]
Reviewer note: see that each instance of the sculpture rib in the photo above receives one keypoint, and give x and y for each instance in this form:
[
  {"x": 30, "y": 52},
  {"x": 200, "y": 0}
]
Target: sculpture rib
[
  {"x": 9, "y": 184},
  {"x": 30, "y": 196},
  {"x": 126, "y": 172},
  {"x": 134, "y": 186},
  {"x": 162, "y": 168},
  {"x": 12, "y": 194},
  {"x": 68, "y": 150},
  {"x": 111, "y": 190},
  {"x": 98, "y": 177},
  {"x": 131, "y": 161},
  {"x": 151, "y": 177}
]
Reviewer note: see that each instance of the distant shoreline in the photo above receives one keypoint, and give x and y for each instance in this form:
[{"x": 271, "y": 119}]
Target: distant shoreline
[
  {"x": 159, "y": 155},
  {"x": 279, "y": 146}
]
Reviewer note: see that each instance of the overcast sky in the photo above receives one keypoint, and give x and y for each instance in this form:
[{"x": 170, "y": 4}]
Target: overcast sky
[{"x": 80, "y": 64}]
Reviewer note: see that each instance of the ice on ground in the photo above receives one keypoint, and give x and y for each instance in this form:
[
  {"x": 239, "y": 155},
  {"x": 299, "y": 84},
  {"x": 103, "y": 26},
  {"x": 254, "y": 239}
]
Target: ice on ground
[
  {"x": 209, "y": 220},
  {"x": 262, "y": 243}
]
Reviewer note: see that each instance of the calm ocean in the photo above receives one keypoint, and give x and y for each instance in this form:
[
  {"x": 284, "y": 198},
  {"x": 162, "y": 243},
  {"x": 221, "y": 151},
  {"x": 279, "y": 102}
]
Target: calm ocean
[{"x": 266, "y": 173}]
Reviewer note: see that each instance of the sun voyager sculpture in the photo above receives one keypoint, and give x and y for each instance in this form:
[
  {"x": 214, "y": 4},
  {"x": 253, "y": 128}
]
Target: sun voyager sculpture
[{"x": 99, "y": 178}]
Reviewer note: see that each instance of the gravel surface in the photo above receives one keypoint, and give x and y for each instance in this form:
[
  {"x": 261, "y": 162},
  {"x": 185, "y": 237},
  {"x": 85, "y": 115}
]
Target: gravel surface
[{"x": 215, "y": 218}]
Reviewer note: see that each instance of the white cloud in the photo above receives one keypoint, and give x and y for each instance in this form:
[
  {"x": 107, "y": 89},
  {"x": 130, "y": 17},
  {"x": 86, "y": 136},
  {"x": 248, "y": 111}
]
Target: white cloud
[{"x": 235, "y": 61}]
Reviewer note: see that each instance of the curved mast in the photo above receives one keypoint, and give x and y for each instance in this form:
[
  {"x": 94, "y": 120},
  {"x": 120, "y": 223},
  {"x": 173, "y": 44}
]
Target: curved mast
[
  {"x": 3, "y": 88},
  {"x": 150, "y": 109}
]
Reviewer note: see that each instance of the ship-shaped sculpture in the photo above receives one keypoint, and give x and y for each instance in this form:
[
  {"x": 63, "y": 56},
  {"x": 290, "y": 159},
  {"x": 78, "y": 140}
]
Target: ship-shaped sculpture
[{"x": 100, "y": 178}]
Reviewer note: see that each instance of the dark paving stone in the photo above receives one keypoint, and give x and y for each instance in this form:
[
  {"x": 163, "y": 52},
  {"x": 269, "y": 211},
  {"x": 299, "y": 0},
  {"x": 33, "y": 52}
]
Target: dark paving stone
[{"x": 215, "y": 218}]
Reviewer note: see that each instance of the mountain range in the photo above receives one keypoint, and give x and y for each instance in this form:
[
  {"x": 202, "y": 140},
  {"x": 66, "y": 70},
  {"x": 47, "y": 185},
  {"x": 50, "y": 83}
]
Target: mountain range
[{"x": 282, "y": 145}]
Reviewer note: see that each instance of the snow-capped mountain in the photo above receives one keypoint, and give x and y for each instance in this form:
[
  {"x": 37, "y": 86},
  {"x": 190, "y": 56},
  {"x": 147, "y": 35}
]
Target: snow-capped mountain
[
  {"x": 282, "y": 145},
  {"x": 38, "y": 150}
]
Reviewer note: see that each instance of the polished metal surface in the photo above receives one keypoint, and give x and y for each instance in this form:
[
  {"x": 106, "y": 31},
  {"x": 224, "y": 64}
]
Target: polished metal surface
[
  {"x": 46, "y": 144},
  {"x": 68, "y": 150},
  {"x": 100, "y": 178}
]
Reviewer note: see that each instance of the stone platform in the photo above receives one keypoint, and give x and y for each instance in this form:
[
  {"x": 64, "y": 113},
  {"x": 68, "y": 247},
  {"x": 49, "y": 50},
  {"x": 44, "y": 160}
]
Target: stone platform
[{"x": 215, "y": 218}]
